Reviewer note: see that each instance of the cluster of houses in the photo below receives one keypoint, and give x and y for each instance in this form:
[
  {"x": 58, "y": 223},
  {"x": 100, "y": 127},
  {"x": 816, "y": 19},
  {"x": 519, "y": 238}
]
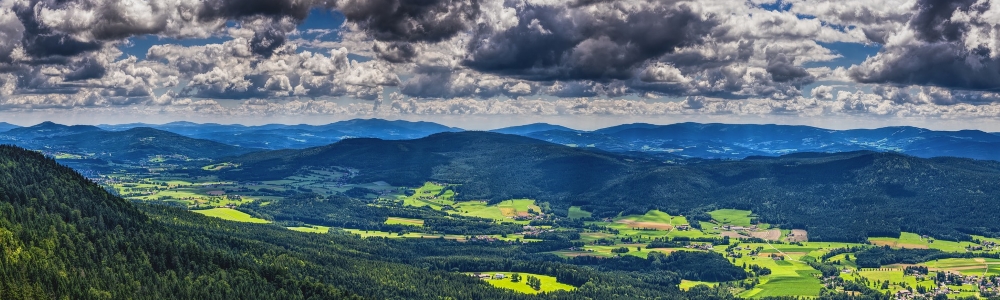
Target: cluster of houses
[
  {"x": 482, "y": 238},
  {"x": 488, "y": 276},
  {"x": 735, "y": 252},
  {"x": 983, "y": 246},
  {"x": 952, "y": 284},
  {"x": 943, "y": 289},
  {"x": 538, "y": 216},
  {"x": 533, "y": 230},
  {"x": 702, "y": 246},
  {"x": 736, "y": 228}
]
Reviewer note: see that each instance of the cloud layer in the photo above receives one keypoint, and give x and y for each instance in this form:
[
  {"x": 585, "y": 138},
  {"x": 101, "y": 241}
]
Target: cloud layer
[{"x": 935, "y": 57}]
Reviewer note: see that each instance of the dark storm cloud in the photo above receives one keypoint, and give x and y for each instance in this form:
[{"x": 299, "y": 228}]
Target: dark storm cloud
[
  {"x": 939, "y": 55},
  {"x": 89, "y": 68},
  {"x": 411, "y": 20},
  {"x": 932, "y": 22},
  {"x": 266, "y": 40},
  {"x": 113, "y": 21},
  {"x": 234, "y": 9},
  {"x": 783, "y": 69},
  {"x": 395, "y": 52},
  {"x": 40, "y": 41},
  {"x": 564, "y": 43}
]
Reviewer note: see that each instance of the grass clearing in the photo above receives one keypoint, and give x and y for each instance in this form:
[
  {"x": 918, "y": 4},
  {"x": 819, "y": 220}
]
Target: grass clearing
[
  {"x": 911, "y": 240},
  {"x": 803, "y": 285},
  {"x": 404, "y": 221},
  {"x": 549, "y": 283},
  {"x": 575, "y": 212},
  {"x": 373, "y": 233},
  {"x": 688, "y": 284},
  {"x": 734, "y": 217},
  {"x": 311, "y": 229},
  {"x": 230, "y": 214}
]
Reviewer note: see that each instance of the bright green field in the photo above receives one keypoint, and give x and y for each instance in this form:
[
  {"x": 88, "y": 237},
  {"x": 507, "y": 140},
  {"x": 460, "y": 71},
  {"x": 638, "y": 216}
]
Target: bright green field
[
  {"x": 424, "y": 196},
  {"x": 549, "y": 283},
  {"x": 653, "y": 216},
  {"x": 230, "y": 214},
  {"x": 788, "y": 277},
  {"x": 503, "y": 211},
  {"x": 688, "y": 284},
  {"x": 404, "y": 221},
  {"x": 575, "y": 213},
  {"x": 894, "y": 276},
  {"x": 498, "y": 212},
  {"x": 914, "y": 241},
  {"x": 372, "y": 233},
  {"x": 802, "y": 285},
  {"x": 967, "y": 266},
  {"x": 311, "y": 229},
  {"x": 731, "y": 216}
]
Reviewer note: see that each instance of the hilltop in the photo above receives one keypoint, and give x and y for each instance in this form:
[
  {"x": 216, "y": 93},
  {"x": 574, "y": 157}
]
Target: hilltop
[{"x": 140, "y": 143}]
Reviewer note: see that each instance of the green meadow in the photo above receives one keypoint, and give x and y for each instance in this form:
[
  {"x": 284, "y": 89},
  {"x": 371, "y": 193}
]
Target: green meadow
[
  {"x": 688, "y": 284},
  {"x": 731, "y": 216},
  {"x": 311, "y": 229},
  {"x": 915, "y": 241},
  {"x": 575, "y": 212},
  {"x": 230, "y": 214},
  {"x": 549, "y": 283}
]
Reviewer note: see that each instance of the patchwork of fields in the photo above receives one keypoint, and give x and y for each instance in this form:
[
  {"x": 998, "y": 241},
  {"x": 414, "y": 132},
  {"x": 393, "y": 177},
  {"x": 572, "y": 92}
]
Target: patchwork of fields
[{"x": 785, "y": 252}]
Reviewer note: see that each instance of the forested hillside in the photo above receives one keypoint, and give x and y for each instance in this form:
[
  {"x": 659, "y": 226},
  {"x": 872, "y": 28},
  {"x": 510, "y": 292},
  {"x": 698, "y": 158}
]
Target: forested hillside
[
  {"x": 63, "y": 237},
  {"x": 836, "y": 197},
  {"x": 141, "y": 143}
]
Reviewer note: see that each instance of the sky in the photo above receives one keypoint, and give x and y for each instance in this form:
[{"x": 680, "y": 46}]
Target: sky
[{"x": 481, "y": 64}]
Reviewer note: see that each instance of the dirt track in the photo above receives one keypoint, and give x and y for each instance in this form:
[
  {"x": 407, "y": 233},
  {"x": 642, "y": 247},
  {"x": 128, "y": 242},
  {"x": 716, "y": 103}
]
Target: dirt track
[
  {"x": 770, "y": 235},
  {"x": 798, "y": 235}
]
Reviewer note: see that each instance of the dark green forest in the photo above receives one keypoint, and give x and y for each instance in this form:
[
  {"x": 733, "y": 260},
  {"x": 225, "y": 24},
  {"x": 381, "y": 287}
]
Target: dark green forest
[
  {"x": 63, "y": 237},
  {"x": 836, "y": 197}
]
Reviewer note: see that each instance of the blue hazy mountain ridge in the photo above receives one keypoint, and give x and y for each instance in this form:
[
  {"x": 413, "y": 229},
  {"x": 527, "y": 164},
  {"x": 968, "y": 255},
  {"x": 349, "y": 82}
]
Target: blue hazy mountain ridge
[
  {"x": 279, "y": 136},
  {"x": 48, "y": 129},
  {"x": 530, "y": 128},
  {"x": 690, "y": 140},
  {"x": 134, "y": 144},
  {"x": 736, "y": 141},
  {"x": 4, "y": 126}
]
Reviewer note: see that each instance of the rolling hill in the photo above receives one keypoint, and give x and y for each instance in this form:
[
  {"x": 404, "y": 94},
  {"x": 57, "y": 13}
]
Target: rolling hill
[
  {"x": 535, "y": 127},
  {"x": 280, "y": 136},
  {"x": 45, "y": 129},
  {"x": 837, "y": 197},
  {"x": 4, "y": 126},
  {"x": 138, "y": 144},
  {"x": 736, "y": 141}
]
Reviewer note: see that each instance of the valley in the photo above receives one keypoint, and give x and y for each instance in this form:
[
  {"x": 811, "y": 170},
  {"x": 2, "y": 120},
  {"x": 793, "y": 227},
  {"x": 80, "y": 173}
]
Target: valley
[
  {"x": 780, "y": 261},
  {"x": 798, "y": 225}
]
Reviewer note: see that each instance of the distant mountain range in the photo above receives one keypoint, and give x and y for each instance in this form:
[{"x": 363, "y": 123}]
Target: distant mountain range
[
  {"x": 733, "y": 141},
  {"x": 279, "y": 136},
  {"x": 675, "y": 141},
  {"x": 133, "y": 145}
]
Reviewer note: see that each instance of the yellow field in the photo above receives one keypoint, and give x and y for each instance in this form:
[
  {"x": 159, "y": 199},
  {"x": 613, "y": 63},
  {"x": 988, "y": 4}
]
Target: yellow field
[
  {"x": 311, "y": 229},
  {"x": 549, "y": 283},
  {"x": 230, "y": 214},
  {"x": 404, "y": 221}
]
